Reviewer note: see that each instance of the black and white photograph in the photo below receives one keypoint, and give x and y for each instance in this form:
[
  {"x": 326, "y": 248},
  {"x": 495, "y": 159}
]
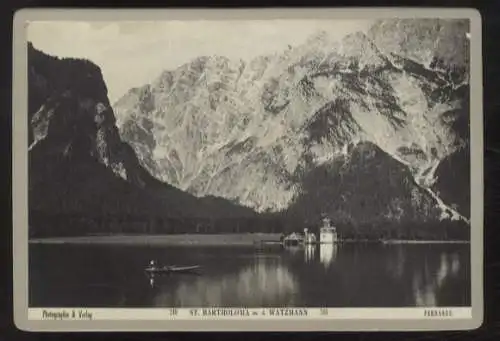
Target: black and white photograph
[{"x": 279, "y": 164}]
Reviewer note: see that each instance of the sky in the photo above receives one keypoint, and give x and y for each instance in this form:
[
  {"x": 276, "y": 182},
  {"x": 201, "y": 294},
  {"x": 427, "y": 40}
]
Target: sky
[{"x": 132, "y": 54}]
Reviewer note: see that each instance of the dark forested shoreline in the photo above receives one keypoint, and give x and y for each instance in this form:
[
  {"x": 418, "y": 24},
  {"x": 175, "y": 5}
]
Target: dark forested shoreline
[{"x": 43, "y": 225}]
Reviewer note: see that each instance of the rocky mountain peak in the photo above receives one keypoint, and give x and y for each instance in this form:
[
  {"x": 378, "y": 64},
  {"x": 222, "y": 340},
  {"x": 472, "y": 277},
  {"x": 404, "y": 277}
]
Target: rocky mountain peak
[
  {"x": 359, "y": 47},
  {"x": 251, "y": 131}
]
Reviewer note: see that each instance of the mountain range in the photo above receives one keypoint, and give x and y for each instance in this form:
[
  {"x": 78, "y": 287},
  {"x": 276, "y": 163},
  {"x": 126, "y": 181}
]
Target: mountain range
[{"x": 371, "y": 129}]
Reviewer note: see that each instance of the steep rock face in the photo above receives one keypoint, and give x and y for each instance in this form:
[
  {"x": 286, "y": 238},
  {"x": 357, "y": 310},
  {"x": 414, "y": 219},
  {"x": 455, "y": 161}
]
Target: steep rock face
[
  {"x": 78, "y": 163},
  {"x": 69, "y": 111},
  {"x": 254, "y": 131}
]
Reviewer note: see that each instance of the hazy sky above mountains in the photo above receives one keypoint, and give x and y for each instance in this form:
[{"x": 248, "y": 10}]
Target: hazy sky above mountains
[{"x": 132, "y": 54}]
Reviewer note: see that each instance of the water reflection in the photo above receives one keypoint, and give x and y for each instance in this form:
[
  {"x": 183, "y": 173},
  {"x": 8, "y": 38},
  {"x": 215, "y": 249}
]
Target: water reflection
[
  {"x": 345, "y": 275},
  {"x": 293, "y": 249},
  {"x": 455, "y": 264},
  {"x": 328, "y": 254},
  {"x": 267, "y": 282},
  {"x": 396, "y": 265},
  {"x": 155, "y": 280},
  {"x": 309, "y": 253},
  {"x": 427, "y": 284}
]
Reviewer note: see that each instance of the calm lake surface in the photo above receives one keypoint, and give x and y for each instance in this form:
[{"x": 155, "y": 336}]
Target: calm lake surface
[{"x": 349, "y": 275}]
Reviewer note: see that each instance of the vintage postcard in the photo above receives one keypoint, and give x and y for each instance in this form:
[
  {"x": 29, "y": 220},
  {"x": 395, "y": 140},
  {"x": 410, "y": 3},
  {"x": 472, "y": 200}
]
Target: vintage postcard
[{"x": 258, "y": 170}]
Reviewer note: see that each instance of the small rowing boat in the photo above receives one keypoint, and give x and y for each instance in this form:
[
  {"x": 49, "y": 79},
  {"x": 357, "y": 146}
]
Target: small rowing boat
[
  {"x": 267, "y": 242},
  {"x": 171, "y": 269}
]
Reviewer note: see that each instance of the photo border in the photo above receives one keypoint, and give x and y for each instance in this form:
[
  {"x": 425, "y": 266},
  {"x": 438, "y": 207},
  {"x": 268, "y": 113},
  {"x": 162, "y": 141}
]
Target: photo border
[{"x": 20, "y": 170}]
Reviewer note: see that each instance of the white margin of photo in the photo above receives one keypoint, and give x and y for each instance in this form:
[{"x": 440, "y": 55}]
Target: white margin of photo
[{"x": 385, "y": 322}]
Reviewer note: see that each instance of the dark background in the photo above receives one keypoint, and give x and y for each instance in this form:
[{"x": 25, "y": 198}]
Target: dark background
[{"x": 490, "y": 330}]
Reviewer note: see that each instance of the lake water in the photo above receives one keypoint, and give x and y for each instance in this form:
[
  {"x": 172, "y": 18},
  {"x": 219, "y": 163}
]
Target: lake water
[{"x": 349, "y": 275}]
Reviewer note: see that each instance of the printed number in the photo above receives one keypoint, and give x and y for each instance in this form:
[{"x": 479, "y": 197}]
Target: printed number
[
  {"x": 173, "y": 311},
  {"x": 323, "y": 311}
]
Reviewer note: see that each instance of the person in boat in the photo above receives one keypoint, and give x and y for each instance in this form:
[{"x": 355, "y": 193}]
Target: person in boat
[
  {"x": 282, "y": 237},
  {"x": 152, "y": 264}
]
